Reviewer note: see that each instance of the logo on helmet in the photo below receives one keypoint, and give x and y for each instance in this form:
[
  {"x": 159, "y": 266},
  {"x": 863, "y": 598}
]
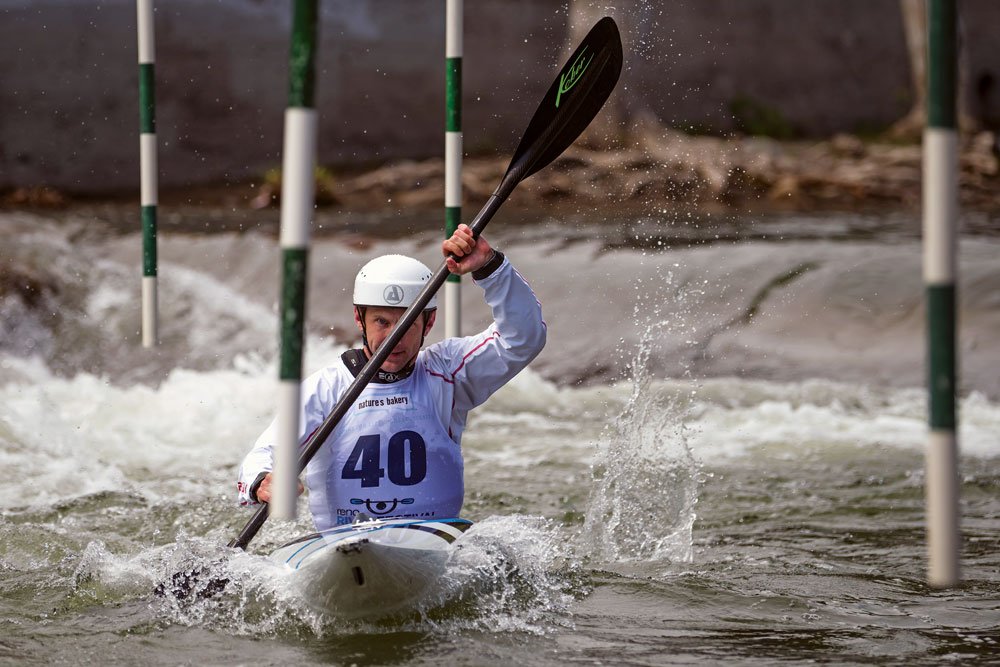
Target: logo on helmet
[{"x": 393, "y": 294}]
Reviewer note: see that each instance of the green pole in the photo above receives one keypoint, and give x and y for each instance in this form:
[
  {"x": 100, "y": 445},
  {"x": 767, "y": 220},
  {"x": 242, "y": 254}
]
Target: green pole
[
  {"x": 453, "y": 156},
  {"x": 940, "y": 274},
  {"x": 297, "y": 205},
  {"x": 147, "y": 168}
]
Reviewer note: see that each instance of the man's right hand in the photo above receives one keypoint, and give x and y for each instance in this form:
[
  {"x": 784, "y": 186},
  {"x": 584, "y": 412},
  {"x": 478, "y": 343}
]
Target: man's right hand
[{"x": 264, "y": 490}]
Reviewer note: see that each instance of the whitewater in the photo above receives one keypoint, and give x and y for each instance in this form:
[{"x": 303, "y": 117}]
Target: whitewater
[{"x": 719, "y": 455}]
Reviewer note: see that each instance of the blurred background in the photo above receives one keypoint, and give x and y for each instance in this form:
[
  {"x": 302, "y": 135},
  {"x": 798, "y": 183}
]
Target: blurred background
[{"x": 777, "y": 68}]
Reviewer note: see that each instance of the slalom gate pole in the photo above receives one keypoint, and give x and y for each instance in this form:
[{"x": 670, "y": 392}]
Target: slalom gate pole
[
  {"x": 147, "y": 168},
  {"x": 940, "y": 218},
  {"x": 297, "y": 206},
  {"x": 453, "y": 157}
]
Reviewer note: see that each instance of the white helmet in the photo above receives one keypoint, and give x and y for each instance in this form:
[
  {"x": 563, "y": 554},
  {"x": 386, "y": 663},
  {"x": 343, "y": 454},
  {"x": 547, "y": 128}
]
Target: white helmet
[{"x": 392, "y": 280}]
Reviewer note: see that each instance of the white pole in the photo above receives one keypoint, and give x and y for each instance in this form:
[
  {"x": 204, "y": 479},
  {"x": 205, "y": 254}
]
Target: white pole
[
  {"x": 453, "y": 156},
  {"x": 147, "y": 168},
  {"x": 940, "y": 277},
  {"x": 297, "y": 204}
]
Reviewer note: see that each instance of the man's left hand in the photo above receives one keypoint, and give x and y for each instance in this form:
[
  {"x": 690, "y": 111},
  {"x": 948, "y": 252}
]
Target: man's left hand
[{"x": 472, "y": 253}]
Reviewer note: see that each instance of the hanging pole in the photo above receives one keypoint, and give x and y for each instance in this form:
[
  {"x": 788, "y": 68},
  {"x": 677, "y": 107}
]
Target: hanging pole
[
  {"x": 297, "y": 205},
  {"x": 453, "y": 157},
  {"x": 940, "y": 273},
  {"x": 147, "y": 168}
]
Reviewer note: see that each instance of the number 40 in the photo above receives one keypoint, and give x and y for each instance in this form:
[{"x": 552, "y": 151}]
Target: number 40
[{"x": 364, "y": 464}]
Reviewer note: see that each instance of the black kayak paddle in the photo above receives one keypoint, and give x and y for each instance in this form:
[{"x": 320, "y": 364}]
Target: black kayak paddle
[{"x": 572, "y": 101}]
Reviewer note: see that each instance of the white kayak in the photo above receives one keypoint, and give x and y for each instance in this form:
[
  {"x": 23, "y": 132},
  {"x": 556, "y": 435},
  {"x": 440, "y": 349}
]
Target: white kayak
[{"x": 372, "y": 567}]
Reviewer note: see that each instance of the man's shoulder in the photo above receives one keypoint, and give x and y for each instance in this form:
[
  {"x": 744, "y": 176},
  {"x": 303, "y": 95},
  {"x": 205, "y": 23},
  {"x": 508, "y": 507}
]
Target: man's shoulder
[
  {"x": 436, "y": 357},
  {"x": 445, "y": 356},
  {"x": 331, "y": 376},
  {"x": 441, "y": 357}
]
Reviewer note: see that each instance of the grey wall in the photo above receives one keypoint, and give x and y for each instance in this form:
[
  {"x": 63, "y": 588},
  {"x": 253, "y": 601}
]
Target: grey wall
[{"x": 69, "y": 109}]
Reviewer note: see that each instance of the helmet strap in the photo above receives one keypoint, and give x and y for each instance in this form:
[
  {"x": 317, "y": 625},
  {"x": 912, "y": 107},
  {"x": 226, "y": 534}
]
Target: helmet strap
[{"x": 364, "y": 331}]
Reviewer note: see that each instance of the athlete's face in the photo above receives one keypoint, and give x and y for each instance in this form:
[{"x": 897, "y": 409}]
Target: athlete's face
[{"x": 379, "y": 322}]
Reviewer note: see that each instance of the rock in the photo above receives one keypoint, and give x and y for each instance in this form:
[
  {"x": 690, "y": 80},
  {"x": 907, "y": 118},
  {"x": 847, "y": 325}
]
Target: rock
[
  {"x": 982, "y": 154},
  {"x": 785, "y": 188},
  {"x": 35, "y": 197},
  {"x": 707, "y": 172},
  {"x": 847, "y": 145}
]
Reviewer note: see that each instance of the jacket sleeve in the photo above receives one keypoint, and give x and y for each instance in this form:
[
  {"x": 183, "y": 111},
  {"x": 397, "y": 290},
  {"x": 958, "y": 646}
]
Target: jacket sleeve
[
  {"x": 318, "y": 394},
  {"x": 483, "y": 363}
]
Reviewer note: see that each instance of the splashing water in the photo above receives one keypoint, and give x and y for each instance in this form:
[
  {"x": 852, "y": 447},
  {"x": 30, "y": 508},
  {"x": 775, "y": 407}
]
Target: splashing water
[
  {"x": 228, "y": 589},
  {"x": 646, "y": 479},
  {"x": 510, "y": 573}
]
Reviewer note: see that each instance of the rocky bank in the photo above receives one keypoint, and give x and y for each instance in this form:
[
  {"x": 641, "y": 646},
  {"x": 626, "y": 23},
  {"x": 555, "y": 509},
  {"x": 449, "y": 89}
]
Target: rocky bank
[
  {"x": 659, "y": 170},
  {"x": 674, "y": 169}
]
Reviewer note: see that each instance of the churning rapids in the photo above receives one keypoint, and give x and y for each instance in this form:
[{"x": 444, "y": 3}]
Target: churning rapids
[{"x": 717, "y": 457}]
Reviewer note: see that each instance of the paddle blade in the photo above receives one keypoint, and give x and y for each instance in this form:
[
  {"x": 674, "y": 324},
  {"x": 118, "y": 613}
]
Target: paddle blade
[{"x": 578, "y": 93}]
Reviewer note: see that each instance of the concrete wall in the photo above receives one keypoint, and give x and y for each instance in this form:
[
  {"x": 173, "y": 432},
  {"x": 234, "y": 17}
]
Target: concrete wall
[{"x": 68, "y": 91}]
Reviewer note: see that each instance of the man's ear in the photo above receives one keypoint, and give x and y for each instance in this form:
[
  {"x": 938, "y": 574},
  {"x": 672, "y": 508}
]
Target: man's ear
[
  {"x": 429, "y": 321},
  {"x": 357, "y": 319}
]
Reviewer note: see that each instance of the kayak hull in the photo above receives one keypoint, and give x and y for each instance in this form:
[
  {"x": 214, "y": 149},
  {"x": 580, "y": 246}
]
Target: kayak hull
[{"x": 370, "y": 568}]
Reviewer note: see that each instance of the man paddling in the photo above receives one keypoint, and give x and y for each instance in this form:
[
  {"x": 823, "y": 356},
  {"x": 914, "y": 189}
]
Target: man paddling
[{"x": 396, "y": 452}]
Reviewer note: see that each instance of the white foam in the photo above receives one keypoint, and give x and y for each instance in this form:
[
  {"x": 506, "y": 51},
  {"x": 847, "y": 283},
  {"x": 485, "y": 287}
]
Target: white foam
[
  {"x": 512, "y": 570},
  {"x": 66, "y": 437},
  {"x": 733, "y": 418}
]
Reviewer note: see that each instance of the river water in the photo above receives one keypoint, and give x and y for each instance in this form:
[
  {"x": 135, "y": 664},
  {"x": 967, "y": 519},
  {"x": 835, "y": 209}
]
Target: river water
[{"x": 718, "y": 457}]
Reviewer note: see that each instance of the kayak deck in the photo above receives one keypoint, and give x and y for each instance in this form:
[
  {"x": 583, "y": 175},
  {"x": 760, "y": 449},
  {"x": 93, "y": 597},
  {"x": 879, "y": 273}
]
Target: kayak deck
[{"x": 371, "y": 567}]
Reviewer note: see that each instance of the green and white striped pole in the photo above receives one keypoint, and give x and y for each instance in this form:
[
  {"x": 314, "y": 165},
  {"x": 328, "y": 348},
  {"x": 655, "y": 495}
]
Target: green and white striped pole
[
  {"x": 453, "y": 156},
  {"x": 297, "y": 205},
  {"x": 147, "y": 168},
  {"x": 940, "y": 273}
]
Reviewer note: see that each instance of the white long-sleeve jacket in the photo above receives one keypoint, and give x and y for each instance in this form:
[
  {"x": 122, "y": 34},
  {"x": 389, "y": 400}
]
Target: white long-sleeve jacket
[{"x": 397, "y": 450}]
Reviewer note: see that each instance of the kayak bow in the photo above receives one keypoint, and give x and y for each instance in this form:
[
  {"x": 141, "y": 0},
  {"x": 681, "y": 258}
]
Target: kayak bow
[{"x": 370, "y": 568}]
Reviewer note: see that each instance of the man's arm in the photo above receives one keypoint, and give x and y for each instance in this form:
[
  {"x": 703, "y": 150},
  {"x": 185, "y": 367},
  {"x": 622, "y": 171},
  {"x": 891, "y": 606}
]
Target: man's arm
[
  {"x": 481, "y": 364},
  {"x": 318, "y": 398},
  {"x": 256, "y": 466}
]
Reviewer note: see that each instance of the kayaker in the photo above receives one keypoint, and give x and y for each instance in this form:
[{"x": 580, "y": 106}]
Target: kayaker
[{"x": 397, "y": 451}]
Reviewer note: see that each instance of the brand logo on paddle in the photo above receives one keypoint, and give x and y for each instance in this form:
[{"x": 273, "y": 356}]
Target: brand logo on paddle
[
  {"x": 572, "y": 76},
  {"x": 393, "y": 294},
  {"x": 381, "y": 507}
]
